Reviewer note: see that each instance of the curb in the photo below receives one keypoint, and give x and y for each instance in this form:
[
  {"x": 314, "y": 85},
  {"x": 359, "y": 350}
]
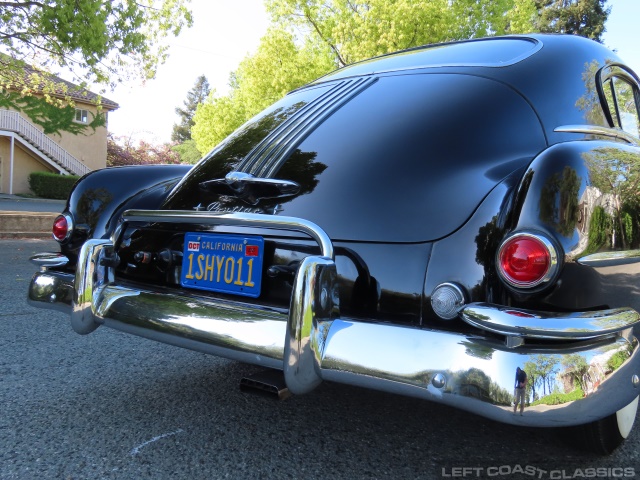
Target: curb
[
  {"x": 18, "y": 198},
  {"x": 26, "y": 224}
]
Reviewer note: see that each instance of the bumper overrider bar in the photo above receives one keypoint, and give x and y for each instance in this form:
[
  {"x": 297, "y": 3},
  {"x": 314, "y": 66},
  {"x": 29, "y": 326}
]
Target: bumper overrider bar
[{"x": 591, "y": 362}]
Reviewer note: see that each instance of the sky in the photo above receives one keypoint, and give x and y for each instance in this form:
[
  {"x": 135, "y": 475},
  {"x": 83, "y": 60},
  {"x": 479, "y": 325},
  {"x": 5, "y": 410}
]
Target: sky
[{"x": 225, "y": 31}]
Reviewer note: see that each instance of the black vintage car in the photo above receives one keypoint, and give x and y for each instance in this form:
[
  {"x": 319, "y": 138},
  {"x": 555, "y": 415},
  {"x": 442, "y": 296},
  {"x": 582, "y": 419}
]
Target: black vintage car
[{"x": 422, "y": 223}]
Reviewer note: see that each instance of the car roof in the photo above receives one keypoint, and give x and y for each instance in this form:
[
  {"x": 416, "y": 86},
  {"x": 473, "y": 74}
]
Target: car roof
[{"x": 492, "y": 53}]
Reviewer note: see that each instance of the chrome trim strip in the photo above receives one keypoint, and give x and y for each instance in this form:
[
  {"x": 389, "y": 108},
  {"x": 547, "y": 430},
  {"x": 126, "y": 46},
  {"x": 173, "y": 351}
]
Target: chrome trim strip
[
  {"x": 46, "y": 260},
  {"x": 608, "y": 259},
  {"x": 286, "y": 131},
  {"x": 272, "y": 163},
  {"x": 446, "y": 367},
  {"x": 599, "y": 130},
  {"x": 261, "y": 149},
  {"x": 236, "y": 219},
  {"x": 549, "y": 325}
]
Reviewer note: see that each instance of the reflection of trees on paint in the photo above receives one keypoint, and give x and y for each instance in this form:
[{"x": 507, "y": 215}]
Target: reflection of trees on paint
[
  {"x": 600, "y": 230},
  {"x": 559, "y": 200},
  {"x": 487, "y": 242},
  {"x": 92, "y": 203},
  {"x": 302, "y": 168},
  {"x": 615, "y": 219},
  {"x": 589, "y": 103}
]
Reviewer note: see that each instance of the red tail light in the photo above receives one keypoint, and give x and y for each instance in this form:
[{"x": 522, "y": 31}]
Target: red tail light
[
  {"x": 62, "y": 227},
  {"x": 527, "y": 260}
]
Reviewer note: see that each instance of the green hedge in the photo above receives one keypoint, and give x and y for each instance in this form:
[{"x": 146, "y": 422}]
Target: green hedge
[
  {"x": 558, "y": 398},
  {"x": 51, "y": 185}
]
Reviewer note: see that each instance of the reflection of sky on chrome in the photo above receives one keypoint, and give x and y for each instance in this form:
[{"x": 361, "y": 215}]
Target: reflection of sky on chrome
[{"x": 265, "y": 334}]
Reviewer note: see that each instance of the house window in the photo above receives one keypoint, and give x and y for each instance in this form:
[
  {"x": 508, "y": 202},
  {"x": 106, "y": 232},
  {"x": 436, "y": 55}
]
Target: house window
[{"x": 82, "y": 116}]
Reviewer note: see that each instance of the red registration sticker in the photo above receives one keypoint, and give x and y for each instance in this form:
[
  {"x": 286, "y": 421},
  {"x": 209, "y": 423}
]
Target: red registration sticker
[{"x": 251, "y": 250}]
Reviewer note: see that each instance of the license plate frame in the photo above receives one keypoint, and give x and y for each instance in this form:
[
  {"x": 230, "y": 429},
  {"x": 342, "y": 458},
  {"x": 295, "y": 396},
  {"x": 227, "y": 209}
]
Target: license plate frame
[{"x": 223, "y": 263}]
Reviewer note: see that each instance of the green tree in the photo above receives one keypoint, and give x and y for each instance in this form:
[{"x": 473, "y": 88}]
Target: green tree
[
  {"x": 355, "y": 30},
  {"x": 616, "y": 171},
  {"x": 99, "y": 41},
  {"x": 335, "y": 33},
  {"x": 541, "y": 370},
  {"x": 197, "y": 95},
  {"x": 102, "y": 41},
  {"x": 188, "y": 152},
  {"x": 579, "y": 17}
]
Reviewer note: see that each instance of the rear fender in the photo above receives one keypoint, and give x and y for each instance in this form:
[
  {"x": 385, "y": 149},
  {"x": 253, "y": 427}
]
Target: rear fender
[
  {"x": 583, "y": 194},
  {"x": 99, "y": 198}
]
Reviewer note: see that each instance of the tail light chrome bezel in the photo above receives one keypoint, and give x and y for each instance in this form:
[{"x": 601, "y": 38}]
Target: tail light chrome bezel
[
  {"x": 70, "y": 226},
  {"x": 552, "y": 269}
]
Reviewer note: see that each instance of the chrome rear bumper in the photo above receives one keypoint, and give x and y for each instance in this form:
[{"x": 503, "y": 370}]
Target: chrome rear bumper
[{"x": 311, "y": 343}]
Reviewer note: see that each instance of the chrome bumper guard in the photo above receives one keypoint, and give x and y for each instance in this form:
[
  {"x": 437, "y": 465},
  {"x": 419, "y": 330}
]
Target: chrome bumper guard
[{"x": 589, "y": 375}]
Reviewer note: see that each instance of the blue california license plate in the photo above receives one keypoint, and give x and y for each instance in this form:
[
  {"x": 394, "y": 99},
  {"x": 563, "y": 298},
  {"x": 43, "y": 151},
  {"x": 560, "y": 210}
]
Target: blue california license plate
[{"x": 223, "y": 263}]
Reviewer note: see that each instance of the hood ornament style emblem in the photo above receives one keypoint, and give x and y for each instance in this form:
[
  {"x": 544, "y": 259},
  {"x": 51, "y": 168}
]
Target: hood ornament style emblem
[{"x": 250, "y": 189}]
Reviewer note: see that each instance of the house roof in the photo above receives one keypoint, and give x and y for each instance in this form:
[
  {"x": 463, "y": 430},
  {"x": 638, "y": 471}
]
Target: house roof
[
  {"x": 64, "y": 88},
  {"x": 77, "y": 93},
  {"x": 81, "y": 94}
]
